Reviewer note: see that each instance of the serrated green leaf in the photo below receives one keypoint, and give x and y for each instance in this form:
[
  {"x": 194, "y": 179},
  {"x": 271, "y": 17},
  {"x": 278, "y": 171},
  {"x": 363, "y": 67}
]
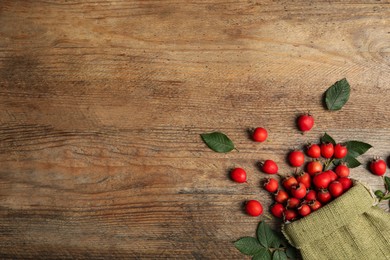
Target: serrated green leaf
[
  {"x": 351, "y": 161},
  {"x": 279, "y": 255},
  {"x": 327, "y": 139},
  {"x": 337, "y": 95},
  {"x": 248, "y": 245},
  {"x": 379, "y": 194},
  {"x": 266, "y": 235},
  {"x": 218, "y": 142},
  {"x": 292, "y": 253},
  {"x": 356, "y": 148},
  {"x": 264, "y": 254},
  {"x": 387, "y": 183}
]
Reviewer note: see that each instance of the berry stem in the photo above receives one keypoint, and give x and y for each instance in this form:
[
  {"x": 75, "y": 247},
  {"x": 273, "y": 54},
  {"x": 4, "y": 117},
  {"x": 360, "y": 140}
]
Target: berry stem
[
  {"x": 268, "y": 216},
  {"x": 328, "y": 163}
]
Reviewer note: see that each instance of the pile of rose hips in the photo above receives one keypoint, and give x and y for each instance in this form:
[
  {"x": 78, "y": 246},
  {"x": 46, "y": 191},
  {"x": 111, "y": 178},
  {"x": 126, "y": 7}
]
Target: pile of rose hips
[{"x": 305, "y": 191}]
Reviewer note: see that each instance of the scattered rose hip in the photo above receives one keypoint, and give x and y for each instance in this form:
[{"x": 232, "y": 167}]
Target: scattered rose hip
[
  {"x": 378, "y": 167},
  {"x": 260, "y": 134},
  {"x": 269, "y": 167},
  {"x": 253, "y": 208},
  {"x": 305, "y": 122},
  {"x": 238, "y": 175}
]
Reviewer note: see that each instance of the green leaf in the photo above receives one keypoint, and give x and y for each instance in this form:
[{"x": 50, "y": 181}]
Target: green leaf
[
  {"x": 386, "y": 197},
  {"x": 387, "y": 183},
  {"x": 218, "y": 142},
  {"x": 266, "y": 235},
  {"x": 337, "y": 95},
  {"x": 351, "y": 161},
  {"x": 327, "y": 139},
  {"x": 379, "y": 194},
  {"x": 279, "y": 255},
  {"x": 264, "y": 254},
  {"x": 248, "y": 245},
  {"x": 356, "y": 148},
  {"x": 292, "y": 252}
]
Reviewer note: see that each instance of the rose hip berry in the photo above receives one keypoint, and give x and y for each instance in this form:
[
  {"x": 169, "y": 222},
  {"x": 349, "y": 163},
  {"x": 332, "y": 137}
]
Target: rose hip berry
[
  {"x": 314, "y": 205},
  {"x": 314, "y": 167},
  {"x": 305, "y": 122},
  {"x": 277, "y": 210},
  {"x": 313, "y": 151},
  {"x": 321, "y": 180},
  {"x": 304, "y": 178},
  {"x": 290, "y": 215},
  {"x": 378, "y": 167},
  {"x": 324, "y": 196},
  {"x": 304, "y": 210},
  {"x": 238, "y": 175},
  {"x": 311, "y": 195},
  {"x": 253, "y": 208},
  {"x": 298, "y": 191},
  {"x": 260, "y": 134},
  {"x": 292, "y": 203},
  {"x": 342, "y": 170},
  {"x": 346, "y": 182},
  {"x": 281, "y": 196},
  {"x": 340, "y": 151},
  {"x": 296, "y": 158},
  {"x": 327, "y": 150},
  {"x": 335, "y": 189},
  {"x": 271, "y": 185},
  {"x": 289, "y": 181},
  {"x": 269, "y": 167},
  {"x": 332, "y": 175}
]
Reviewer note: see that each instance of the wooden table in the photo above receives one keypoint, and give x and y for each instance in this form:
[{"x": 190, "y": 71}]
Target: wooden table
[{"x": 102, "y": 104}]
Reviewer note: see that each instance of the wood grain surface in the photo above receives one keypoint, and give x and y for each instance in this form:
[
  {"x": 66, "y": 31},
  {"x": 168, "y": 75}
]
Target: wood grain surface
[{"x": 102, "y": 103}]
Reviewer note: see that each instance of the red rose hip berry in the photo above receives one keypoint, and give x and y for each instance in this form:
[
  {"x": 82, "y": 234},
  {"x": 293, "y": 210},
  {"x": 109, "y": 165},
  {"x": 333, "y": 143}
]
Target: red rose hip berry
[
  {"x": 289, "y": 215},
  {"x": 253, "y": 208},
  {"x": 340, "y": 151},
  {"x": 314, "y": 205},
  {"x": 289, "y": 181},
  {"x": 269, "y": 167},
  {"x": 260, "y": 134},
  {"x": 305, "y": 122},
  {"x": 335, "y": 189},
  {"x": 238, "y": 175},
  {"x": 324, "y": 196},
  {"x": 314, "y": 167},
  {"x": 346, "y": 182},
  {"x": 298, "y": 191},
  {"x": 304, "y": 178},
  {"x": 293, "y": 203},
  {"x": 304, "y": 210},
  {"x": 342, "y": 170},
  {"x": 296, "y": 158},
  {"x": 271, "y": 185},
  {"x": 313, "y": 151},
  {"x": 277, "y": 210},
  {"x": 332, "y": 175},
  {"x": 378, "y": 167},
  {"x": 322, "y": 180},
  {"x": 327, "y": 150},
  {"x": 281, "y": 196},
  {"x": 311, "y": 195}
]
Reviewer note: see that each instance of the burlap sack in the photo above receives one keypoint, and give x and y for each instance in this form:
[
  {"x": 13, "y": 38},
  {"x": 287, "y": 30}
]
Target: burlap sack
[{"x": 350, "y": 227}]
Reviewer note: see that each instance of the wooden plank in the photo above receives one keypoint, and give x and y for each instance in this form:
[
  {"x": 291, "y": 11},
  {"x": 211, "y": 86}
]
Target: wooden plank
[{"x": 102, "y": 104}]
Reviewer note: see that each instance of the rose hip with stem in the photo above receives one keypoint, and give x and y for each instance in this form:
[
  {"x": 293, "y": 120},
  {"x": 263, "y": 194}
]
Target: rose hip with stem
[
  {"x": 238, "y": 175},
  {"x": 271, "y": 185},
  {"x": 342, "y": 170},
  {"x": 313, "y": 151},
  {"x": 335, "y": 189},
  {"x": 260, "y": 134},
  {"x": 378, "y": 167},
  {"x": 296, "y": 158},
  {"x": 305, "y": 122},
  {"x": 281, "y": 196},
  {"x": 298, "y": 191},
  {"x": 304, "y": 178},
  {"x": 253, "y": 208},
  {"x": 327, "y": 150},
  {"x": 324, "y": 196},
  {"x": 269, "y": 167},
  {"x": 289, "y": 181},
  {"x": 340, "y": 151},
  {"x": 314, "y": 167},
  {"x": 304, "y": 210},
  {"x": 277, "y": 210}
]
